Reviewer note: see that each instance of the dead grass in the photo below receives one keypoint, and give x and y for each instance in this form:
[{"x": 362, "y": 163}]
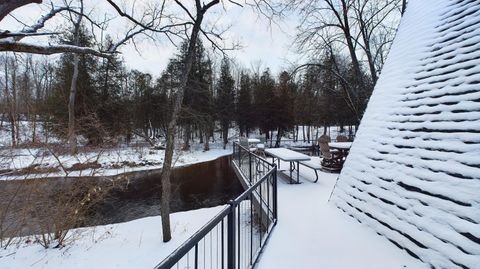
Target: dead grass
[
  {"x": 35, "y": 169},
  {"x": 84, "y": 166}
]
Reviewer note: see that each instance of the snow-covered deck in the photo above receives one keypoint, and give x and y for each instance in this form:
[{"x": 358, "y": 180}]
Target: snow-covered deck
[{"x": 312, "y": 233}]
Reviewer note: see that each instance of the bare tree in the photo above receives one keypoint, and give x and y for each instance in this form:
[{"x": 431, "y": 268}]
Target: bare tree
[
  {"x": 71, "y": 137},
  {"x": 201, "y": 10},
  {"x": 10, "y": 65},
  {"x": 371, "y": 17},
  {"x": 359, "y": 26},
  {"x": 153, "y": 21}
]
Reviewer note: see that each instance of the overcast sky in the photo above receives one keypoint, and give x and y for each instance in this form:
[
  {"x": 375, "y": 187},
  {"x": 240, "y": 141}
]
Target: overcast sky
[{"x": 270, "y": 44}]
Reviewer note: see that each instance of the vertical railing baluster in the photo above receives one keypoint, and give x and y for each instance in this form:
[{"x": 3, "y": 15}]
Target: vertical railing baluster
[
  {"x": 223, "y": 244},
  {"x": 275, "y": 201},
  {"x": 239, "y": 228},
  {"x": 196, "y": 257},
  {"x": 251, "y": 228},
  {"x": 261, "y": 215},
  {"x": 250, "y": 168},
  {"x": 268, "y": 202},
  {"x": 231, "y": 237}
]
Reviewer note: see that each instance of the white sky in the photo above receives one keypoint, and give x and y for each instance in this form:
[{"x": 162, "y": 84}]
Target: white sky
[{"x": 269, "y": 44}]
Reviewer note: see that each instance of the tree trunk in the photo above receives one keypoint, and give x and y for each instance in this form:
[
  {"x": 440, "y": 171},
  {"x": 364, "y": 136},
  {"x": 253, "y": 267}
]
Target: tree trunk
[
  {"x": 8, "y": 6},
  {"x": 279, "y": 138},
  {"x": 34, "y": 127},
  {"x": 308, "y": 134},
  {"x": 349, "y": 39},
  {"x": 206, "y": 145},
  {"x": 177, "y": 105},
  {"x": 72, "y": 139},
  {"x": 404, "y": 6},
  {"x": 303, "y": 131},
  {"x": 11, "y": 116},
  {"x": 186, "y": 137},
  {"x": 225, "y": 135},
  {"x": 295, "y": 134}
]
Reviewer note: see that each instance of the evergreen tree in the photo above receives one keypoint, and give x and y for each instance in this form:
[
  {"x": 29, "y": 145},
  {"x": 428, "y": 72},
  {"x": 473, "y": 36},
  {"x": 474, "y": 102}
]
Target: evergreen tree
[
  {"x": 112, "y": 111},
  {"x": 244, "y": 105},
  {"x": 264, "y": 94},
  {"x": 225, "y": 99},
  {"x": 86, "y": 99},
  {"x": 197, "y": 107},
  {"x": 283, "y": 112}
]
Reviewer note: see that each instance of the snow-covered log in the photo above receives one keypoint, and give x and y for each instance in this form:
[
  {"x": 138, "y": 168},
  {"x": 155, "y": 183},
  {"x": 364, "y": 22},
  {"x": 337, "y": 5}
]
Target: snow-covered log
[{"x": 413, "y": 173}]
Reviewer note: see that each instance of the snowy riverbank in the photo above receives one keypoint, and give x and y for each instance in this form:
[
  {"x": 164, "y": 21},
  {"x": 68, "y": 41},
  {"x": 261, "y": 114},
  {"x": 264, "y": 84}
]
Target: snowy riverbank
[
  {"x": 133, "y": 244},
  {"x": 96, "y": 163}
]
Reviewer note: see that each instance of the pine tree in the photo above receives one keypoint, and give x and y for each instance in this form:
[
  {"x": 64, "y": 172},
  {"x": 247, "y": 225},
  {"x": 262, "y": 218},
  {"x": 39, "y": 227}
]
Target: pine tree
[
  {"x": 112, "y": 112},
  {"x": 225, "y": 99},
  {"x": 264, "y": 94},
  {"x": 283, "y": 111},
  {"x": 244, "y": 105},
  {"x": 86, "y": 99}
]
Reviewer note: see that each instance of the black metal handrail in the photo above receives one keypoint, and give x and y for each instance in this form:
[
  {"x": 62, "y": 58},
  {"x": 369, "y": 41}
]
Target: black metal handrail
[{"x": 235, "y": 237}]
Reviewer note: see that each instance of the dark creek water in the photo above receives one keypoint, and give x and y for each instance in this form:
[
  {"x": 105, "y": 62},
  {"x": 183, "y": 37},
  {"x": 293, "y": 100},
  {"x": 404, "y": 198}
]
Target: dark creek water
[
  {"x": 31, "y": 206},
  {"x": 195, "y": 186}
]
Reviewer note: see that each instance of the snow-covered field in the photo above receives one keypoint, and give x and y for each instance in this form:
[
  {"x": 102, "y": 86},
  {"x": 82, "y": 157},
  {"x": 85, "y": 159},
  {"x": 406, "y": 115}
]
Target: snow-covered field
[{"x": 133, "y": 244}]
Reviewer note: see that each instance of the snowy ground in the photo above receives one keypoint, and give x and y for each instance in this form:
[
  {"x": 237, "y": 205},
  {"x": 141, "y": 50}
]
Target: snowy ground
[
  {"x": 312, "y": 233},
  {"x": 110, "y": 161},
  {"x": 133, "y": 244},
  {"x": 33, "y": 162}
]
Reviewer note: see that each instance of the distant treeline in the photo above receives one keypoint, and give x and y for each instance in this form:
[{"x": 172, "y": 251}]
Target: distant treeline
[{"x": 113, "y": 103}]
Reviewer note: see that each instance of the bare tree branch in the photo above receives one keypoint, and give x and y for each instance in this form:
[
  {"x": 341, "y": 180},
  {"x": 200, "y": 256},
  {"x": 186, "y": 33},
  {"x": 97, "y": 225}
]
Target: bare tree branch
[
  {"x": 50, "y": 49},
  {"x": 8, "y": 6}
]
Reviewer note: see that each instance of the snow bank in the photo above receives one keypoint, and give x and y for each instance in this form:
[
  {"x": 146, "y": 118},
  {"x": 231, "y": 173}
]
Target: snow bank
[
  {"x": 112, "y": 162},
  {"x": 133, "y": 244},
  {"x": 413, "y": 173}
]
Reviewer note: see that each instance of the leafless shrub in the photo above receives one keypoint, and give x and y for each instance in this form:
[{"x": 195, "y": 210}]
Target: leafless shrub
[{"x": 65, "y": 206}]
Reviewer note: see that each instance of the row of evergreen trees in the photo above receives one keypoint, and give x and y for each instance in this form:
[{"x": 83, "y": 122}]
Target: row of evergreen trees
[{"x": 112, "y": 102}]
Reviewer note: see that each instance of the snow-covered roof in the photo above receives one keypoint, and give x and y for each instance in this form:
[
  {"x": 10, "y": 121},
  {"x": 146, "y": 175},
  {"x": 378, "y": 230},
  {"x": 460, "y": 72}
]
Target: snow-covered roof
[{"x": 413, "y": 173}]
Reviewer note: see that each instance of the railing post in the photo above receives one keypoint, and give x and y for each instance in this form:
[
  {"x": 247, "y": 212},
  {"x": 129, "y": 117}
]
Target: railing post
[
  {"x": 250, "y": 167},
  {"x": 231, "y": 237},
  {"x": 274, "y": 174},
  {"x": 239, "y": 158},
  {"x": 234, "y": 146}
]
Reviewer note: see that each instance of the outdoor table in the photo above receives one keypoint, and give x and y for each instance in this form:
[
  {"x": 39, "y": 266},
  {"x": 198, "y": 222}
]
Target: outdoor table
[
  {"x": 342, "y": 147},
  {"x": 288, "y": 156},
  {"x": 253, "y": 140}
]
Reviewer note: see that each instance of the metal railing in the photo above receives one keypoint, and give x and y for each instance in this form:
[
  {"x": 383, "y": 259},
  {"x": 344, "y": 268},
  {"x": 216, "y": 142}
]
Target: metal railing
[{"x": 234, "y": 238}]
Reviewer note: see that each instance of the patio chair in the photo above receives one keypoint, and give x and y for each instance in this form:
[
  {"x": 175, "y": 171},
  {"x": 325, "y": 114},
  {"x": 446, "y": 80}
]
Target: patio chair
[
  {"x": 331, "y": 160},
  {"x": 342, "y": 138},
  {"x": 261, "y": 147},
  {"x": 324, "y": 138},
  {"x": 244, "y": 143}
]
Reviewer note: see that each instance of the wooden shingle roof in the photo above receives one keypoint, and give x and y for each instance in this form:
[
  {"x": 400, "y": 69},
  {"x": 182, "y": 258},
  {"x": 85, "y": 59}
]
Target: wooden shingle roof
[{"x": 413, "y": 173}]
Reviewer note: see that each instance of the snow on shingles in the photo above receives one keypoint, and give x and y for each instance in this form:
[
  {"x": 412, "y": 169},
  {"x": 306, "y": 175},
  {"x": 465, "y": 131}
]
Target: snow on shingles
[{"x": 413, "y": 173}]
